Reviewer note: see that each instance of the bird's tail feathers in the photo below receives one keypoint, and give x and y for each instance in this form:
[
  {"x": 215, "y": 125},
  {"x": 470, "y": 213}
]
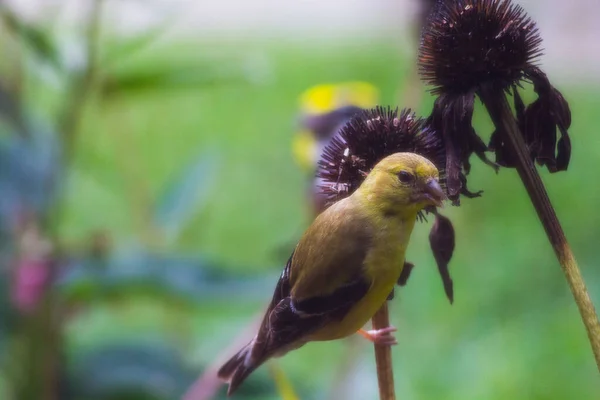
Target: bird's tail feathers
[{"x": 237, "y": 369}]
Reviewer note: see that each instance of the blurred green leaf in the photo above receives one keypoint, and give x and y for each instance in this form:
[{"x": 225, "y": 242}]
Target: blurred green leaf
[
  {"x": 156, "y": 78},
  {"x": 186, "y": 194},
  {"x": 34, "y": 37},
  {"x": 130, "y": 370},
  {"x": 173, "y": 279}
]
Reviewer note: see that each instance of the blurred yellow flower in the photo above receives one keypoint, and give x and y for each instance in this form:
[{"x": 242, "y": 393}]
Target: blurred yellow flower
[
  {"x": 304, "y": 148},
  {"x": 327, "y": 97},
  {"x": 323, "y": 99}
]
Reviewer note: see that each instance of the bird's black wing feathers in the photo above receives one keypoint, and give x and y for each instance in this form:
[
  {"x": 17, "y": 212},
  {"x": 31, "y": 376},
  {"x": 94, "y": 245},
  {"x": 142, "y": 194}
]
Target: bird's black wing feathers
[
  {"x": 336, "y": 304},
  {"x": 288, "y": 320}
]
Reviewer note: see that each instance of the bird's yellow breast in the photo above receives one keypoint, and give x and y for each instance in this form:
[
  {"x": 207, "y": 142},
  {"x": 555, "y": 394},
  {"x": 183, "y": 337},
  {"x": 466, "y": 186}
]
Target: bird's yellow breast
[{"x": 383, "y": 265}]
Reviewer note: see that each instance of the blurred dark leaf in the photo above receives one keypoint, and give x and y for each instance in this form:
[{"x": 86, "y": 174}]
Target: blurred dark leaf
[
  {"x": 186, "y": 194},
  {"x": 7, "y": 314},
  {"x": 29, "y": 167},
  {"x": 175, "y": 279},
  {"x": 143, "y": 369},
  {"x": 139, "y": 370},
  {"x": 10, "y": 110},
  {"x": 405, "y": 274},
  {"x": 37, "y": 40}
]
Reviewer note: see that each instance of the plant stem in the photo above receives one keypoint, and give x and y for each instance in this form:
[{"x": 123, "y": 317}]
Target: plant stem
[
  {"x": 51, "y": 315},
  {"x": 284, "y": 387},
  {"x": 383, "y": 357},
  {"x": 504, "y": 120},
  {"x": 73, "y": 110},
  {"x": 83, "y": 83}
]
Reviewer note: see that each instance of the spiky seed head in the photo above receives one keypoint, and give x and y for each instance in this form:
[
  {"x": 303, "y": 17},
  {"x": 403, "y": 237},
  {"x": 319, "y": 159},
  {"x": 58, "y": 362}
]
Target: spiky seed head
[
  {"x": 469, "y": 44},
  {"x": 365, "y": 140}
]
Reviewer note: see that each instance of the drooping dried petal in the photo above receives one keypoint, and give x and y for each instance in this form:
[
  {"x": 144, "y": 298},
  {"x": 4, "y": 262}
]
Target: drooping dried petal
[
  {"x": 504, "y": 156},
  {"x": 540, "y": 121},
  {"x": 405, "y": 274},
  {"x": 466, "y": 192},
  {"x": 563, "y": 156},
  {"x": 452, "y": 116},
  {"x": 441, "y": 239}
]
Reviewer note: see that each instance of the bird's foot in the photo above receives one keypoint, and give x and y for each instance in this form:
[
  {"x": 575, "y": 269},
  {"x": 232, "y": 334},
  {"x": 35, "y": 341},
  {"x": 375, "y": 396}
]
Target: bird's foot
[{"x": 383, "y": 336}]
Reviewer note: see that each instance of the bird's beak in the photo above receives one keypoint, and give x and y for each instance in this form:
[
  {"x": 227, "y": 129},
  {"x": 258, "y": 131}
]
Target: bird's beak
[{"x": 433, "y": 193}]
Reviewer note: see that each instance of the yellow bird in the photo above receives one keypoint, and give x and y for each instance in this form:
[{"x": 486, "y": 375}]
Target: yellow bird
[{"x": 345, "y": 265}]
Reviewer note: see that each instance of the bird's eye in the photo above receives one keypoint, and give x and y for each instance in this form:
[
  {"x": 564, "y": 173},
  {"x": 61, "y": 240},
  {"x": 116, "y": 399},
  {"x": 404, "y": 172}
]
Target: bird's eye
[{"x": 405, "y": 177}]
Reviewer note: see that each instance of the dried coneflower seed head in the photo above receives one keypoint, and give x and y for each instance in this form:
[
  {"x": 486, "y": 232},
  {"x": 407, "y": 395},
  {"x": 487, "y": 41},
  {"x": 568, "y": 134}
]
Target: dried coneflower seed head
[
  {"x": 425, "y": 7},
  {"x": 485, "y": 49},
  {"x": 365, "y": 140},
  {"x": 469, "y": 44}
]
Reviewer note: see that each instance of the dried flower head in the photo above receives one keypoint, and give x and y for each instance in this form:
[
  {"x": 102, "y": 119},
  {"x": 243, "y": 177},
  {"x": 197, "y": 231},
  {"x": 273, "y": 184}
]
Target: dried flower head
[
  {"x": 425, "y": 7},
  {"x": 365, "y": 140},
  {"x": 487, "y": 48},
  {"x": 472, "y": 43}
]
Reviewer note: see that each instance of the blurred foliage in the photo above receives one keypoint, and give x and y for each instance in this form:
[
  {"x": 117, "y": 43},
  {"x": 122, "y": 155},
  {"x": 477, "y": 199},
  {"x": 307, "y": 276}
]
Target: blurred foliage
[
  {"x": 29, "y": 167},
  {"x": 183, "y": 160},
  {"x": 130, "y": 370},
  {"x": 33, "y": 37},
  {"x": 177, "y": 279},
  {"x": 186, "y": 195}
]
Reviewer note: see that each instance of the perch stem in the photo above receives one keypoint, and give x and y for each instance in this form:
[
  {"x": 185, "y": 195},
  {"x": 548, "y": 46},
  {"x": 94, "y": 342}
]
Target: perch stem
[
  {"x": 504, "y": 120},
  {"x": 383, "y": 357}
]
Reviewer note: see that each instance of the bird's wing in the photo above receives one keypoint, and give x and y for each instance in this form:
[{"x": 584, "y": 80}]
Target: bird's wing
[
  {"x": 287, "y": 320},
  {"x": 307, "y": 298}
]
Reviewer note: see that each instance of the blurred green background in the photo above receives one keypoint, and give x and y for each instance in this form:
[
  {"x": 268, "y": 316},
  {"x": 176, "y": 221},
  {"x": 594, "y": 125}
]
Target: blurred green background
[{"x": 161, "y": 173}]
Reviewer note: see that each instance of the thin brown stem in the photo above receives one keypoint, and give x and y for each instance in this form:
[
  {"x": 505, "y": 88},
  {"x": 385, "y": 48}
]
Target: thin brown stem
[
  {"x": 82, "y": 84},
  {"x": 383, "y": 357},
  {"x": 52, "y": 329},
  {"x": 73, "y": 109},
  {"x": 504, "y": 120}
]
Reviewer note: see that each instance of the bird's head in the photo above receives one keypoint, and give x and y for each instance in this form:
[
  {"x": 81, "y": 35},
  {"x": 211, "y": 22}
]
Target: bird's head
[{"x": 403, "y": 183}]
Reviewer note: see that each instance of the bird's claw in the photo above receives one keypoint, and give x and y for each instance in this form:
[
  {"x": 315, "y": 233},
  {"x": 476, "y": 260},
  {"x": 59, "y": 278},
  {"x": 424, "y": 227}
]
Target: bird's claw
[{"x": 383, "y": 336}]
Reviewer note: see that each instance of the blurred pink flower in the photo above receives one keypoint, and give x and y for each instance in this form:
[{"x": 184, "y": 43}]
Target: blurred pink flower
[{"x": 31, "y": 278}]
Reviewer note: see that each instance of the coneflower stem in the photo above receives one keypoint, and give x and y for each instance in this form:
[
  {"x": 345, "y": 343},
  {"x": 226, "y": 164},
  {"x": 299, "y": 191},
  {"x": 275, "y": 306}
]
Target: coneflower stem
[
  {"x": 284, "y": 387},
  {"x": 383, "y": 357},
  {"x": 505, "y": 122}
]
